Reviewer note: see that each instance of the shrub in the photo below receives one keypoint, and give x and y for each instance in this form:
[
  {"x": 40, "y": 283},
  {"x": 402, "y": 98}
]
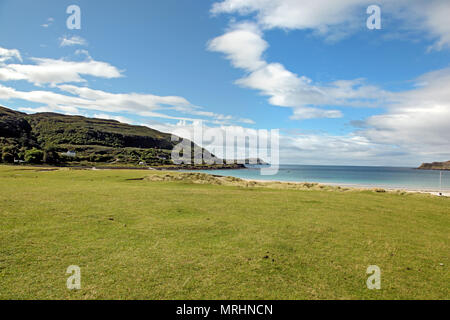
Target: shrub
[
  {"x": 34, "y": 156},
  {"x": 51, "y": 155},
  {"x": 8, "y": 154}
]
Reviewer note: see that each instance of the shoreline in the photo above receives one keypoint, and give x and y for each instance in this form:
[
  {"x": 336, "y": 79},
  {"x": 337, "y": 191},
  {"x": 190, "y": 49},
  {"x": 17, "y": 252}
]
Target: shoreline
[
  {"x": 435, "y": 192},
  {"x": 445, "y": 193},
  {"x": 215, "y": 179}
]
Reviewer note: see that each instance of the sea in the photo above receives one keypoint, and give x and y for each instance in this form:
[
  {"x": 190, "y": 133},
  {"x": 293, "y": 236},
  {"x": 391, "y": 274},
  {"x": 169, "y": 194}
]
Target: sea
[{"x": 357, "y": 176}]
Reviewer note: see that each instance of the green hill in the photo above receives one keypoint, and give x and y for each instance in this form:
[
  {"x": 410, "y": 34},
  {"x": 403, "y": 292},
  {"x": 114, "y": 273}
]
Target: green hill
[
  {"x": 50, "y": 135},
  {"x": 76, "y": 130}
]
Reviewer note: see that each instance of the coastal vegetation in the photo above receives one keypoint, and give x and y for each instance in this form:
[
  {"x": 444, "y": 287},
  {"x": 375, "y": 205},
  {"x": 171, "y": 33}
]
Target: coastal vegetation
[{"x": 169, "y": 235}]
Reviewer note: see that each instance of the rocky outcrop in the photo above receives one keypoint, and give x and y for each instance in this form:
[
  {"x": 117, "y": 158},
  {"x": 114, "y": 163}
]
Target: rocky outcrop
[{"x": 435, "y": 166}]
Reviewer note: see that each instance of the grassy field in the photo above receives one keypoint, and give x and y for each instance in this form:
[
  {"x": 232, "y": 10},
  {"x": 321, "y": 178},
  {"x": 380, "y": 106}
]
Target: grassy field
[{"x": 143, "y": 239}]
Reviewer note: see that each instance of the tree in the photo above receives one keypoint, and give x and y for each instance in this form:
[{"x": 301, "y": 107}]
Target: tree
[
  {"x": 8, "y": 154},
  {"x": 21, "y": 153},
  {"x": 34, "y": 156},
  {"x": 51, "y": 155}
]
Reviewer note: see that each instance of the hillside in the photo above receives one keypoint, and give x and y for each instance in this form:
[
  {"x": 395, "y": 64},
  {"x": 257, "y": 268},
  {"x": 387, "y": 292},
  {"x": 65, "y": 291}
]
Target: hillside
[
  {"x": 435, "y": 166},
  {"x": 45, "y": 137},
  {"x": 14, "y": 128}
]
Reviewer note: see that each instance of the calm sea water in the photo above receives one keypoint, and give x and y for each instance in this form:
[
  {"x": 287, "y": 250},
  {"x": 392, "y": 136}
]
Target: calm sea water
[{"x": 386, "y": 177}]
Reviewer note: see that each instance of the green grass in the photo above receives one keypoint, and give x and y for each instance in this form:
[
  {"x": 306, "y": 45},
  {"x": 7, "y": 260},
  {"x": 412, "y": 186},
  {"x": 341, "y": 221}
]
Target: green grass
[{"x": 143, "y": 239}]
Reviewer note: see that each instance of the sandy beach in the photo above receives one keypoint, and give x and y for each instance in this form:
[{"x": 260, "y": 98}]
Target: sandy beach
[{"x": 444, "y": 193}]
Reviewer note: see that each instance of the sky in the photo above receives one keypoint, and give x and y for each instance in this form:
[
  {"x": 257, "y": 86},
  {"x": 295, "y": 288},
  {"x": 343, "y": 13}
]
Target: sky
[{"x": 339, "y": 92}]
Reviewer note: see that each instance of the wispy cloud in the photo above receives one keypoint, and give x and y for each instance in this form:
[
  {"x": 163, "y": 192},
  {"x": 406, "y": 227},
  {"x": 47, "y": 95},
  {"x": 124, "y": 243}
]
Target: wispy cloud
[
  {"x": 113, "y": 117},
  {"x": 8, "y": 54},
  {"x": 48, "y": 23},
  {"x": 83, "y": 52},
  {"x": 66, "y": 41},
  {"x": 53, "y": 71}
]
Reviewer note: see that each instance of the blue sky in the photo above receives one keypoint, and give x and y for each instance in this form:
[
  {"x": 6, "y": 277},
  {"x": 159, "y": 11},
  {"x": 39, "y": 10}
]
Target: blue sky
[{"x": 339, "y": 92}]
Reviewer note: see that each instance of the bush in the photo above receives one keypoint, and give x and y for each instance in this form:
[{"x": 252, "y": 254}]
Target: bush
[
  {"x": 34, "y": 156},
  {"x": 8, "y": 154},
  {"x": 51, "y": 155}
]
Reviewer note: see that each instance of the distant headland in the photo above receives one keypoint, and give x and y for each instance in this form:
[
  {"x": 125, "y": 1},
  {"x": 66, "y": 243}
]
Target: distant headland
[{"x": 435, "y": 166}]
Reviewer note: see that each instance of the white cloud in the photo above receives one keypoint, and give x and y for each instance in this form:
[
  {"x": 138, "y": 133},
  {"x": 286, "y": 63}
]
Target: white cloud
[
  {"x": 83, "y": 52},
  {"x": 244, "y": 46},
  {"x": 418, "y": 119},
  {"x": 437, "y": 20},
  {"x": 58, "y": 109},
  {"x": 113, "y": 117},
  {"x": 317, "y": 15},
  {"x": 72, "y": 41},
  {"x": 8, "y": 54},
  {"x": 334, "y": 19},
  {"x": 96, "y": 100},
  {"x": 213, "y": 138},
  {"x": 47, "y": 98},
  {"x": 313, "y": 113},
  {"x": 60, "y": 73},
  {"x": 117, "y": 102},
  {"x": 296, "y": 148},
  {"x": 415, "y": 126},
  {"x": 57, "y": 71},
  {"x": 409, "y": 133},
  {"x": 84, "y": 98},
  {"x": 428, "y": 16}
]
